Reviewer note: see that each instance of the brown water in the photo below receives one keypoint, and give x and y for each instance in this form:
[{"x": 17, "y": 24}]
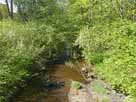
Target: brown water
[{"x": 59, "y": 76}]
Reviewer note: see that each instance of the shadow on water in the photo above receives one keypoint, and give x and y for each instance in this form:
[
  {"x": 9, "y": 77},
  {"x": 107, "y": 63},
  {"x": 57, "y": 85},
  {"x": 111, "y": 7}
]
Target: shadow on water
[{"x": 51, "y": 86}]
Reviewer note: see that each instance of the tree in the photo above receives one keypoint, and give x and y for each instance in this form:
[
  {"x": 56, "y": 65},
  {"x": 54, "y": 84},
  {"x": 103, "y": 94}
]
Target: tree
[
  {"x": 10, "y": 8},
  {"x": 39, "y": 9},
  {"x": 11, "y": 11}
]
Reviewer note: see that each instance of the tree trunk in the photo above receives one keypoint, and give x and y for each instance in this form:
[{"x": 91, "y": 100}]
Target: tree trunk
[
  {"x": 11, "y": 11},
  {"x": 8, "y": 6}
]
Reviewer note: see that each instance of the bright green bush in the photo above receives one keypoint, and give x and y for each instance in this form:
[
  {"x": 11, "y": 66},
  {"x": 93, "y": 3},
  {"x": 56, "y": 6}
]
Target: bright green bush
[
  {"x": 20, "y": 46},
  {"x": 112, "y": 48}
]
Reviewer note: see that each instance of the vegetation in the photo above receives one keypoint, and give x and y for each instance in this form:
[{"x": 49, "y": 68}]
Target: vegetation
[
  {"x": 21, "y": 45},
  {"x": 99, "y": 88},
  {"x": 110, "y": 44},
  {"x": 76, "y": 85},
  {"x": 105, "y": 99},
  {"x": 3, "y": 11},
  {"x": 104, "y": 30}
]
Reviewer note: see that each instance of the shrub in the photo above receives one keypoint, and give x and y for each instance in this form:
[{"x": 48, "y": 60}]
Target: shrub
[
  {"x": 112, "y": 48},
  {"x": 20, "y": 46}
]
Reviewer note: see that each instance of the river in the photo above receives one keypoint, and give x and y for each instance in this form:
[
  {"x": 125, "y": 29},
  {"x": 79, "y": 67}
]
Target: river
[{"x": 53, "y": 85}]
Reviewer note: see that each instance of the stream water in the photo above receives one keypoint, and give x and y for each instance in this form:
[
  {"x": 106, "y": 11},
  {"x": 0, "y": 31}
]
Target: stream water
[{"x": 58, "y": 78}]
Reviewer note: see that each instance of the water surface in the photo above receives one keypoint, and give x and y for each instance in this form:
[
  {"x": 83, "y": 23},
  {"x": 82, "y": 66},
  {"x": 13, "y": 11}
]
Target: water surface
[{"x": 59, "y": 76}]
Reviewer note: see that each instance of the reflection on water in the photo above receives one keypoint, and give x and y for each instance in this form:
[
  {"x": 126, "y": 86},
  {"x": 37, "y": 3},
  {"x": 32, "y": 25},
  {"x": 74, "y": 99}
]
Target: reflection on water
[{"x": 59, "y": 81}]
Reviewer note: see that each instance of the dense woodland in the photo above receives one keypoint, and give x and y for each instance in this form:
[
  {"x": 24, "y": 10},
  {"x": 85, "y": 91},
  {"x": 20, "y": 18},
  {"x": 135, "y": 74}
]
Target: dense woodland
[{"x": 103, "y": 30}]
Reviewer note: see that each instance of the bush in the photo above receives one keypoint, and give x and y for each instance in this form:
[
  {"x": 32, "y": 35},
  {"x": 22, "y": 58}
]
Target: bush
[
  {"x": 20, "y": 46},
  {"x": 112, "y": 48}
]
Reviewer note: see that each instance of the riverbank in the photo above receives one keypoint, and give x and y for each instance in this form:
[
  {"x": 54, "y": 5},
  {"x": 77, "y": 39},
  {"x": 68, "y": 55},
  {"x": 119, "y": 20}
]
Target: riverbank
[
  {"x": 51, "y": 86},
  {"x": 55, "y": 85},
  {"x": 95, "y": 90}
]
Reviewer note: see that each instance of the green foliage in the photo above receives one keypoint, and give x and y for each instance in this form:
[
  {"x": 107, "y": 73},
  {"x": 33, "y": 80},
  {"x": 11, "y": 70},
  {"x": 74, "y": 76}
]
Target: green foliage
[
  {"x": 99, "y": 88},
  {"x": 77, "y": 11},
  {"x": 37, "y": 9},
  {"x": 76, "y": 85},
  {"x": 112, "y": 48},
  {"x": 20, "y": 46},
  {"x": 107, "y": 37},
  {"x": 130, "y": 99},
  {"x": 3, "y": 11},
  {"x": 105, "y": 99},
  {"x": 109, "y": 42}
]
